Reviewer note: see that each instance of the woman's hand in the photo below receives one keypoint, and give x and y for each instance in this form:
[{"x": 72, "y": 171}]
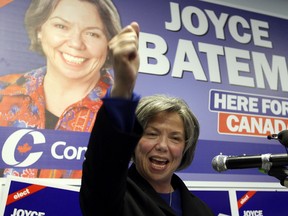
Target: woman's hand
[{"x": 124, "y": 48}]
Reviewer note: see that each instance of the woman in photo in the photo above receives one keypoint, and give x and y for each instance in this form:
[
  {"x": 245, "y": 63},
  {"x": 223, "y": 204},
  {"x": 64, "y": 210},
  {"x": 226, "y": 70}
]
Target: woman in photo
[{"x": 73, "y": 36}]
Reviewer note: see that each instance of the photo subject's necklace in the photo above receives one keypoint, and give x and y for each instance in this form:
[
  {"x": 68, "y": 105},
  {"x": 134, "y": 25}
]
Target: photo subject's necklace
[{"x": 170, "y": 200}]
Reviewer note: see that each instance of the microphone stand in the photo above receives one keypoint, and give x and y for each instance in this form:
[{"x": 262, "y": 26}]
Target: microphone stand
[{"x": 281, "y": 173}]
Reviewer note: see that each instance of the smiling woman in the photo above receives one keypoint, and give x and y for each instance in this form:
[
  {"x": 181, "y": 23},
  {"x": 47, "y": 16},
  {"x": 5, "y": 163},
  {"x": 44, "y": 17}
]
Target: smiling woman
[
  {"x": 161, "y": 139},
  {"x": 73, "y": 36}
]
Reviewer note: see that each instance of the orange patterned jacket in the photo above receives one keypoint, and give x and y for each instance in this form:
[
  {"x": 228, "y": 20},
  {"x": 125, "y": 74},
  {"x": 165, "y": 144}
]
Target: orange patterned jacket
[{"x": 22, "y": 104}]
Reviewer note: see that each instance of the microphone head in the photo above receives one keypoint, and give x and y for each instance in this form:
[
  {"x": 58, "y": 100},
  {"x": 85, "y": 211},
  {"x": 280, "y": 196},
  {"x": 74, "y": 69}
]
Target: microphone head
[
  {"x": 218, "y": 163},
  {"x": 283, "y": 137}
]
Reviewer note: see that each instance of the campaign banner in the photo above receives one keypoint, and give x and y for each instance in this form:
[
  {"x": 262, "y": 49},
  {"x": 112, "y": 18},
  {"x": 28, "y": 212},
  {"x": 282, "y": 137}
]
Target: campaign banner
[
  {"x": 262, "y": 203},
  {"x": 34, "y": 197},
  {"x": 228, "y": 64},
  {"x": 42, "y": 149}
]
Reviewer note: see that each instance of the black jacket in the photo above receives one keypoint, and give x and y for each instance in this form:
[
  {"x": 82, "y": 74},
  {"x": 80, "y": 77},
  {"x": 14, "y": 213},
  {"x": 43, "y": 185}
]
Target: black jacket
[{"x": 109, "y": 189}]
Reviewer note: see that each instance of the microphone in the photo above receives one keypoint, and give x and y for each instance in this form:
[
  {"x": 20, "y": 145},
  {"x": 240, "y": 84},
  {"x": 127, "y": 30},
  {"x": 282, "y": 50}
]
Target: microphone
[
  {"x": 282, "y": 137},
  {"x": 264, "y": 161}
]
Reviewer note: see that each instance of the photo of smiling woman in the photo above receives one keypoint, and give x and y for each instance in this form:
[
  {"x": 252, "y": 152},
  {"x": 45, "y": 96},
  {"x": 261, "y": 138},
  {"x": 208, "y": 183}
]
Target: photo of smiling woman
[{"x": 73, "y": 36}]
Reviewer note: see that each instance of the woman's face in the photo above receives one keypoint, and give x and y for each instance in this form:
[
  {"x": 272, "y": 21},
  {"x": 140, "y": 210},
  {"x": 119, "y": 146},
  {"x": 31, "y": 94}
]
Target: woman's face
[
  {"x": 73, "y": 40},
  {"x": 160, "y": 150}
]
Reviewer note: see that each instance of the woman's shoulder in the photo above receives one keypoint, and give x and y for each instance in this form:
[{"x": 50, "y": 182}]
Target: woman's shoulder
[
  {"x": 11, "y": 78},
  {"x": 21, "y": 83}
]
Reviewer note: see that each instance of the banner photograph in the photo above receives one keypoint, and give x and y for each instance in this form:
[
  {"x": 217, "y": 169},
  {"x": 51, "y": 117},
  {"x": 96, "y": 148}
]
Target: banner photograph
[{"x": 229, "y": 65}]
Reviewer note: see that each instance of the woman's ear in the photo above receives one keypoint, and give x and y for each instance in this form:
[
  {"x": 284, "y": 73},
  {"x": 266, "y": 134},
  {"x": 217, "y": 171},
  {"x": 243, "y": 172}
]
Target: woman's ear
[{"x": 39, "y": 35}]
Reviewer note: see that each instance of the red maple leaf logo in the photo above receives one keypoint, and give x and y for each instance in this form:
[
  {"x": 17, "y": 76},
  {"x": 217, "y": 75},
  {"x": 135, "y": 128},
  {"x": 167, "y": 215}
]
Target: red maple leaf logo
[{"x": 24, "y": 148}]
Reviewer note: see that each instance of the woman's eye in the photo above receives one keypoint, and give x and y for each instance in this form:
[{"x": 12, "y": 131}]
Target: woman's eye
[
  {"x": 93, "y": 34},
  {"x": 150, "y": 134},
  {"x": 177, "y": 139},
  {"x": 60, "y": 26}
]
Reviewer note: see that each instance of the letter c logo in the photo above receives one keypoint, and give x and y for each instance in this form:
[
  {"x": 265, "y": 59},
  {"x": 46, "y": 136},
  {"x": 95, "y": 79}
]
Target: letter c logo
[{"x": 9, "y": 147}]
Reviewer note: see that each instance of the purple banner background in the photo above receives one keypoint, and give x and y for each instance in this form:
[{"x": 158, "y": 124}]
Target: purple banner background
[
  {"x": 268, "y": 203},
  {"x": 152, "y": 15}
]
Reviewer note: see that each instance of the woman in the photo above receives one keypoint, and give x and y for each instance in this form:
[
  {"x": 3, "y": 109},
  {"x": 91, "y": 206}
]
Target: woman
[
  {"x": 149, "y": 186},
  {"x": 73, "y": 36}
]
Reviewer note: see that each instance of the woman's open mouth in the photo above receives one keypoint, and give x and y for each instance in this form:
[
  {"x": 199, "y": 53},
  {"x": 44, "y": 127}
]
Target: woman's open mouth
[
  {"x": 158, "y": 163},
  {"x": 73, "y": 59}
]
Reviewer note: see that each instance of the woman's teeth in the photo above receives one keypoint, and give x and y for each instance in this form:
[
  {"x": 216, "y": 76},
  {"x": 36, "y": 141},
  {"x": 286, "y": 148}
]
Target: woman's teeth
[
  {"x": 73, "y": 59},
  {"x": 158, "y": 161}
]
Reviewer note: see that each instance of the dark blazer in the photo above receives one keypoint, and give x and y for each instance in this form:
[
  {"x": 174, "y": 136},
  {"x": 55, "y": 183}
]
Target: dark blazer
[{"x": 109, "y": 188}]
